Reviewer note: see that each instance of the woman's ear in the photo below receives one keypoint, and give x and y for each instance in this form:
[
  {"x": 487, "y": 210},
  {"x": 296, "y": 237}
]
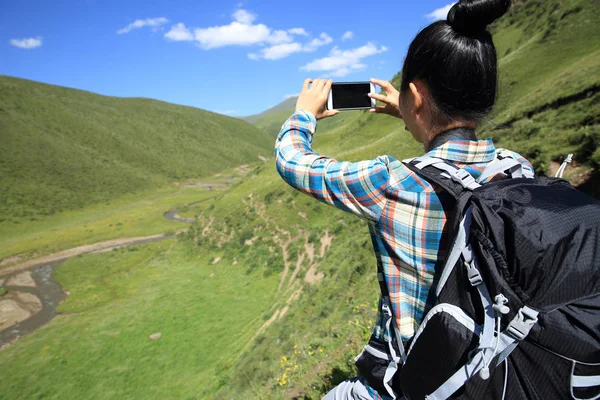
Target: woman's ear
[{"x": 417, "y": 96}]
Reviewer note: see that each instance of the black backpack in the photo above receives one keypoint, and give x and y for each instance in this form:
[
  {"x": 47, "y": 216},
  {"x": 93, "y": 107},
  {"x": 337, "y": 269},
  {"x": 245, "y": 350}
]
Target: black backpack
[{"x": 515, "y": 312}]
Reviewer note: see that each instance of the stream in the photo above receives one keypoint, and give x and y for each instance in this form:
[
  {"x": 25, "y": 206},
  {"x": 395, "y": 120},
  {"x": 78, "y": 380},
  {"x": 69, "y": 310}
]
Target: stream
[{"x": 39, "y": 282}]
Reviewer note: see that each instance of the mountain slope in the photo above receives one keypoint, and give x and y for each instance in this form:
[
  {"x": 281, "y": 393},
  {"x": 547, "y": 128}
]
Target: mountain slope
[
  {"x": 64, "y": 148},
  {"x": 550, "y": 86},
  {"x": 548, "y": 106},
  {"x": 285, "y": 105},
  {"x": 325, "y": 287}
]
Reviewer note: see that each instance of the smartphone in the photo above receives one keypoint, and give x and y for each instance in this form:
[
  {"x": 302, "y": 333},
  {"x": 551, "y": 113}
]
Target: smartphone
[{"x": 351, "y": 96}]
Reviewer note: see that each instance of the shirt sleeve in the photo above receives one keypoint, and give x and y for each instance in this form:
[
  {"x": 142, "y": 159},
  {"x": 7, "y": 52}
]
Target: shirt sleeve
[{"x": 358, "y": 188}]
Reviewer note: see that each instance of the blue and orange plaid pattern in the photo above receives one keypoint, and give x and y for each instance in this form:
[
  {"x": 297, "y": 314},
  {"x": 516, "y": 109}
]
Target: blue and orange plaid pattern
[{"x": 404, "y": 209}]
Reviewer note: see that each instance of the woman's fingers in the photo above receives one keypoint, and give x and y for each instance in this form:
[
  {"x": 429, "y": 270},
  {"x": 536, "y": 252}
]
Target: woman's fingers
[
  {"x": 329, "y": 113},
  {"x": 318, "y": 85},
  {"x": 385, "y": 85},
  {"x": 380, "y": 110},
  {"x": 380, "y": 97},
  {"x": 327, "y": 87},
  {"x": 307, "y": 82}
]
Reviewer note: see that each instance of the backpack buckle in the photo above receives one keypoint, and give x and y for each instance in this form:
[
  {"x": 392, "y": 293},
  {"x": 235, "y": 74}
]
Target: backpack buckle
[
  {"x": 464, "y": 178},
  {"x": 473, "y": 274},
  {"x": 522, "y": 323}
]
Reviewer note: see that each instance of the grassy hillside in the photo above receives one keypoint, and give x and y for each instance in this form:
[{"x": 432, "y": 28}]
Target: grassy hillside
[
  {"x": 550, "y": 69},
  {"x": 63, "y": 149},
  {"x": 550, "y": 82},
  {"x": 285, "y": 105},
  {"x": 549, "y": 61},
  {"x": 99, "y": 348},
  {"x": 271, "y": 294}
]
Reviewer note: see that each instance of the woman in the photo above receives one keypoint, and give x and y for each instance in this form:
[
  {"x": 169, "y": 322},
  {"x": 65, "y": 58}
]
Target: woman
[{"x": 449, "y": 84}]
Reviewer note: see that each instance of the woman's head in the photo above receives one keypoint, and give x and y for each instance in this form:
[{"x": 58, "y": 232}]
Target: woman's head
[{"x": 450, "y": 71}]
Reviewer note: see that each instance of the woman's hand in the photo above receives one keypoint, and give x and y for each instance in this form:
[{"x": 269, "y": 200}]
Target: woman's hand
[
  {"x": 314, "y": 98},
  {"x": 391, "y": 99}
]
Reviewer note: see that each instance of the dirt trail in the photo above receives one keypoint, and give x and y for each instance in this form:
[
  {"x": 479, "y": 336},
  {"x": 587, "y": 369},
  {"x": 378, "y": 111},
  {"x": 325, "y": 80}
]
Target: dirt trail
[
  {"x": 295, "y": 286},
  {"x": 287, "y": 293},
  {"x": 33, "y": 296},
  {"x": 85, "y": 249},
  {"x": 97, "y": 247}
]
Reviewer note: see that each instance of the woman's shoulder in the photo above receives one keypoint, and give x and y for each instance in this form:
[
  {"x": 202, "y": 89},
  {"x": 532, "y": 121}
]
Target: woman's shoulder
[{"x": 403, "y": 178}]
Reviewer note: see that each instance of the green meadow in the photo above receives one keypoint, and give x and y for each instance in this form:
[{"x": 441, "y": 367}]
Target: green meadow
[
  {"x": 65, "y": 149},
  {"x": 268, "y": 294},
  {"x": 99, "y": 347}
]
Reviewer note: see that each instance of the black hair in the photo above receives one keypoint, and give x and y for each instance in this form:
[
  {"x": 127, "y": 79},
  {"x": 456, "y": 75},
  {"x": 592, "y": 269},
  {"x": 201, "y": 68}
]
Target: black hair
[{"x": 457, "y": 61}]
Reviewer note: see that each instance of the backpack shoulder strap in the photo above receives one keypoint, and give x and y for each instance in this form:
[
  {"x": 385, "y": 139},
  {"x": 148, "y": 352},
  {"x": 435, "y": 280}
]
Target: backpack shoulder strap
[
  {"x": 507, "y": 165},
  {"x": 444, "y": 174}
]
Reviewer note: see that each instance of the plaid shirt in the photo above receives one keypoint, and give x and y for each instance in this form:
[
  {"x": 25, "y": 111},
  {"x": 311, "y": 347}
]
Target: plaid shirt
[{"x": 404, "y": 209}]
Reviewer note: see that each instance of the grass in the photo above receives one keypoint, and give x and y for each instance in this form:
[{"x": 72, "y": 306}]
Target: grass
[
  {"x": 549, "y": 64},
  {"x": 64, "y": 149},
  {"x": 133, "y": 215},
  {"x": 100, "y": 349},
  {"x": 548, "y": 53},
  {"x": 129, "y": 216},
  {"x": 550, "y": 77}
]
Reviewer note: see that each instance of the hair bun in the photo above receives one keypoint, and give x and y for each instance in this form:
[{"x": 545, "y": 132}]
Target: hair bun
[{"x": 470, "y": 17}]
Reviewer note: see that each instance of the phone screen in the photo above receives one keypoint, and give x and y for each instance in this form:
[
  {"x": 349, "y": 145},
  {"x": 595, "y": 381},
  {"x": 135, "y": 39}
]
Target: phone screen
[{"x": 351, "y": 95}]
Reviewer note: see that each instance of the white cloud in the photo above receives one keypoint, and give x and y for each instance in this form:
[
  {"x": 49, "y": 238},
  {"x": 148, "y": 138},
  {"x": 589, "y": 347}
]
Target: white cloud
[
  {"x": 234, "y": 34},
  {"x": 342, "y": 62},
  {"x": 440, "y": 13},
  {"x": 179, "y": 33},
  {"x": 283, "y": 50},
  {"x": 298, "y": 31},
  {"x": 244, "y": 17},
  {"x": 140, "y": 23},
  {"x": 322, "y": 40},
  {"x": 280, "y": 51},
  {"x": 243, "y": 31},
  {"x": 27, "y": 43},
  {"x": 288, "y": 96},
  {"x": 279, "y": 37},
  {"x": 347, "y": 35}
]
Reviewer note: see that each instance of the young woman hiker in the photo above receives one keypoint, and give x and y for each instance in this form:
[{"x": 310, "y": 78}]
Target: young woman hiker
[{"x": 449, "y": 85}]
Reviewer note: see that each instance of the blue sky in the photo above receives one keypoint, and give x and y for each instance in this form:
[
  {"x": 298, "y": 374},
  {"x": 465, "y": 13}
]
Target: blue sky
[{"x": 237, "y": 58}]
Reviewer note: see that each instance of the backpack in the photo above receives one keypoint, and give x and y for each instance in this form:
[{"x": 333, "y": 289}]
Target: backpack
[{"x": 515, "y": 311}]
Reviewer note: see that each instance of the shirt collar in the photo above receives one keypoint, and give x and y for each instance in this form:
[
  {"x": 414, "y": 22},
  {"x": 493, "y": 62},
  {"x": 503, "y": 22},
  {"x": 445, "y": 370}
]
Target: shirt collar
[{"x": 466, "y": 151}]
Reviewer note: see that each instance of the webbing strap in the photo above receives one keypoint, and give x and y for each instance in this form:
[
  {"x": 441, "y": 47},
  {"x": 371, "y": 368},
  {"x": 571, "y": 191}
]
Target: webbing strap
[
  {"x": 457, "y": 380},
  {"x": 460, "y": 176},
  {"x": 460, "y": 243},
  {"x": 585, "y": 381},
  {"x": 517, "y": 330},
  {"x": 500, "y": 166},
  {"x": 396, "y": 331},
  {"x": 393, "y": 365},
  {"x": 524, "y": 171},
  {"x": 386, "y": 296},
  {"x": 379, "y": 354},
  {"x": 507, "y": 345},
  {"x": 473, "y": 271}
]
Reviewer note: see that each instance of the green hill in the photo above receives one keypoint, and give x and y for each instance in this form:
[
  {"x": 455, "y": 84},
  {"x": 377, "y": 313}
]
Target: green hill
[
  {"x": 63, "y": 149},
  {"x": 549, "y": 62},
  {"x": 285, "y": 105},
  {"x": 550, "y": 70},
  {"x": 271, "y": 294}
]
